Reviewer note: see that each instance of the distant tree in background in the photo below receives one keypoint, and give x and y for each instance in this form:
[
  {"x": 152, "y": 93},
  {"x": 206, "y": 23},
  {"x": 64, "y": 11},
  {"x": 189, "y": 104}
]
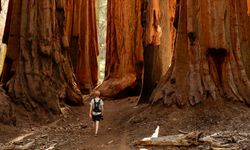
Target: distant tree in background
[
  {"x": 124, "y": 50},
  {"x": 81, "y": 41}
]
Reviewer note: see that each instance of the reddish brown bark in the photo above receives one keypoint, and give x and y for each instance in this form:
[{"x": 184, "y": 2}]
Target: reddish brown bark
[
  {"x": 153, "y": 30},
  {"x": 87, "y": 70},
  {"x": 43, "y": 74},
  {"x": 124, "y": 47},
  {"x": 207, "y": 61},
  {"x": 245, "y": 22},
  {"x": 248, "y": 4},
  {"x": 157, "y": 43},
  {"x": 80, "y": 37}
]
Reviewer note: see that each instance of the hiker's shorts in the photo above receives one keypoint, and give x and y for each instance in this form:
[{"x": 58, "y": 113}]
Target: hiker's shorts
[{"x": 96, "y": 117}]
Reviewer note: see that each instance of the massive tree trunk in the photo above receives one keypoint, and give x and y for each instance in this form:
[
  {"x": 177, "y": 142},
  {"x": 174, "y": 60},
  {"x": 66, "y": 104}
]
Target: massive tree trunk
[
  {"x": 80, "y": 38},
  {"x": 245, "y": 54},
  {"x": 41, "y": 66},
  {"x": 157, "y": 21},
  {"x": 124, "y": 48},
  {"x": 207, "y": 63}
]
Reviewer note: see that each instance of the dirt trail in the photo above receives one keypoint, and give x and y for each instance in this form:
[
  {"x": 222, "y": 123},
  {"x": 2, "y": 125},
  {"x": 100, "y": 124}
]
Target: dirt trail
[
  {"x": 74, "y": 130},
  {"x": 113, "y": 129},
  {"x": 124, "y": 123}
]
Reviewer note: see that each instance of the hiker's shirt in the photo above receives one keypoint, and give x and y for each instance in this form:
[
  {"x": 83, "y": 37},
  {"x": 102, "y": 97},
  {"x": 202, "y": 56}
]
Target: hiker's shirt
[{"x": 92, "y": 103}]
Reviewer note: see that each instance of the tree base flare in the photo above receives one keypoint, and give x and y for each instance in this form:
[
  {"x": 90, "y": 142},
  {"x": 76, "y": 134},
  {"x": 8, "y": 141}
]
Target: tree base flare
[{"x": 113, "y": 86}]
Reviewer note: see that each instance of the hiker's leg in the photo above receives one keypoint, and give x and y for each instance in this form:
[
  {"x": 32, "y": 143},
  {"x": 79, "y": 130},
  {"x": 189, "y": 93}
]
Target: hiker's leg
[
  {"x": 93, "y": 120},
  {"x": 96, "y": 127}
]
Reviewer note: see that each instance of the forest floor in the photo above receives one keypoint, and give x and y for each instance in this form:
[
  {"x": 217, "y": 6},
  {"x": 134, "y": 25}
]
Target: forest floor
[{"x": 125, "y": 122}]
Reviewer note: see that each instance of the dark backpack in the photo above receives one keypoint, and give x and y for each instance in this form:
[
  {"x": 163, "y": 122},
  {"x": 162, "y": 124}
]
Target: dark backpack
[{"x": 96, "y": 107}]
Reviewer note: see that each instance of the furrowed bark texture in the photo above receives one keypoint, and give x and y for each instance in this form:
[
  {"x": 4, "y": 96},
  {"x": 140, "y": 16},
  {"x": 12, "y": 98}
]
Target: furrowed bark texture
[
  {"x": 208, "y": 59},
  {"x": 158, "y": 42},
  {"x": 80, "y": 37},
  {"x": 124, "y": 48},
  {"x": 245, "y": 50},
  {"x": 42, "y": 71},
  {"x": 248, "y": 5}
]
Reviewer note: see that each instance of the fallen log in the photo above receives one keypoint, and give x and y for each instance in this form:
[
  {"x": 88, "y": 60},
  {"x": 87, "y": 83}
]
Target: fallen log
[
  {"x": 19, "y": 147},
  {"x": 231, "y": 148},
  {"x": 216, "y": 141},
  {"x": 190, "y": 139}
]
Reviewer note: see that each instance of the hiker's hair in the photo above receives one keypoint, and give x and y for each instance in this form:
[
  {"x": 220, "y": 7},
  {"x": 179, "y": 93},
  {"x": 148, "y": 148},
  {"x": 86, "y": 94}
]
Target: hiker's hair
[{"x": 97, "y": 93}]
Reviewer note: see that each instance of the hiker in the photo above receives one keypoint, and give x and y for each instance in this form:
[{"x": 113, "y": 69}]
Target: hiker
[{"x": 96, "y": 110}]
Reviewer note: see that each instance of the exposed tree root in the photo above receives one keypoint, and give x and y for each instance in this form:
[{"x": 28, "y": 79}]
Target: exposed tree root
[{"x": 114, "y": 86}]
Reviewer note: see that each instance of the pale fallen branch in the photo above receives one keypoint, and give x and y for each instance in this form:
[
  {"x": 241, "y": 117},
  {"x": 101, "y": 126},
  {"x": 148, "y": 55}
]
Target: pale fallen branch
[
  {"x": 51, "y": 146},
  {"x": 189, "y": 139},
  {"x": 20, "y": 138},
  {"x": 216, "y": 141},
  {"x": 212, "y": 141},
  {"x": 183, "y": 132},
  {"x": 231, "y": 148},
  {"x": 156, "y": 133},
  {"x": 19, "y": 147}
]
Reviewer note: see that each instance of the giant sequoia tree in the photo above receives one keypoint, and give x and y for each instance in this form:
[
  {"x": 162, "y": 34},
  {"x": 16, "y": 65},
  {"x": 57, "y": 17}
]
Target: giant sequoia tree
[
  {"x": 124, "y": 47},
  {"x": 157, "y": 21},
  {"x": 42, "y": 74},
  {"x": 212, "y": 40},
  {"x": 80, "y": 39}
]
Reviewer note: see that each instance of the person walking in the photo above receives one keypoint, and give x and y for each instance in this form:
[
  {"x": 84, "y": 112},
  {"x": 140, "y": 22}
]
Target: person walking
[{"x": 96, "y": 110}]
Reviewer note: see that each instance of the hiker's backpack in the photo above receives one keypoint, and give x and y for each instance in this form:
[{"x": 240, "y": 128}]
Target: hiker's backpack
[{"x": 96, "y": 107}]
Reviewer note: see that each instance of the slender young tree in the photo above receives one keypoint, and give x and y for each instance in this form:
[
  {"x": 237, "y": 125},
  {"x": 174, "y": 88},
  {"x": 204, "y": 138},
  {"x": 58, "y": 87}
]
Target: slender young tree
[
  {"x": 124, "y": 48},
  {"x": 208, "y": 61}
]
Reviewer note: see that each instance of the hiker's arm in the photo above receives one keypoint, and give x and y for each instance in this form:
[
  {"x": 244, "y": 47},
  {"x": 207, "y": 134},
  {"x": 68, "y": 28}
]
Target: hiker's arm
[
  {"x": 102, "y": 109},
  {"x": 90, "y": 111}
]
